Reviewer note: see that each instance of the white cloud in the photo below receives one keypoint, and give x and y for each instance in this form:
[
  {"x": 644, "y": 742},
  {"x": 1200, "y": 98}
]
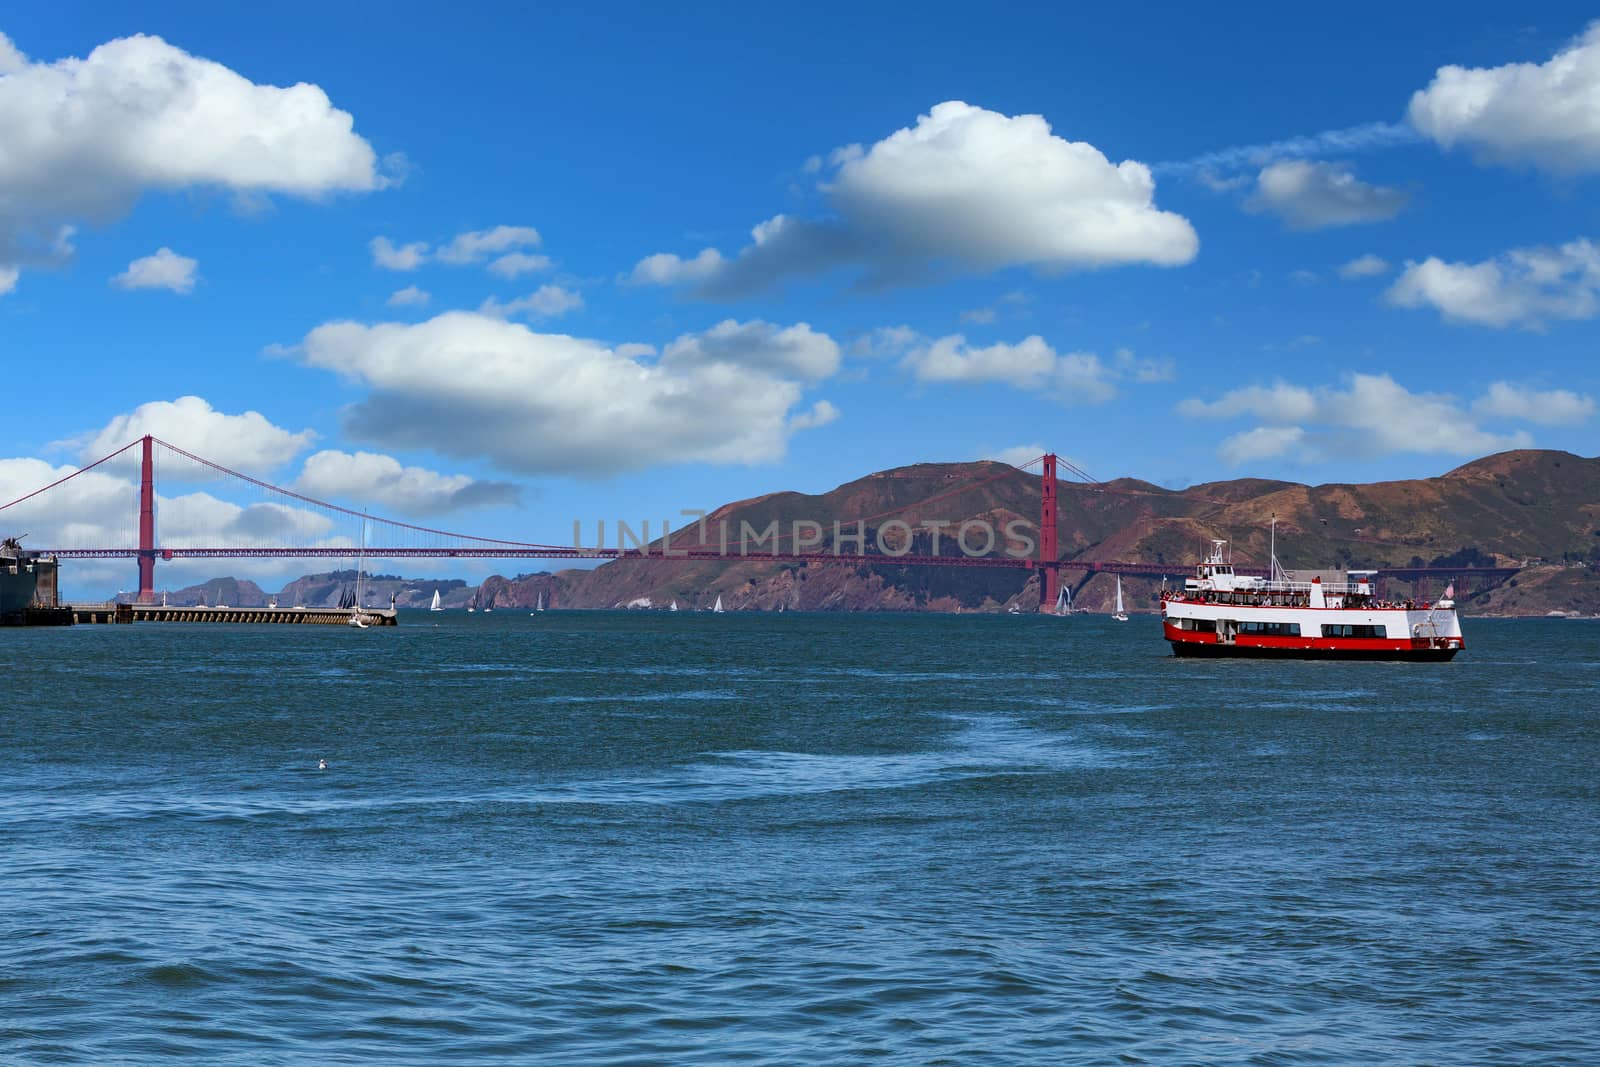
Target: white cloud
[
  {"x": 1351, "y": 139},
  {"x": 1145, "y": 371},
  {"x": 1310, "y": 195},
  {"x": 85, "y": 137},
  {"x": 821, "y": 414},
  {"x": 1030, "y": 364},
  {"x": 247, "y": 442},
  {"x": 1525, "y": 287},
  {"x": 513, "y": 264},
  {"x": 163, "y": 270},
  {"x": 467, "y": 249},
  {"x": 1546, "y": 115},
  {"x": 1263, "y": 442},
  {"x": 410, "y": 296},
  {"x": 1367, "y": 266},
  {"x": 1016, "y": 455},
  {"x": 965, "y": 189},
  {"x": 545, "y": 302},
  {"x": 389, "y": 256},
  {"x": 664, "y": 268},
  {"x": 885, "y": 342},
  {"x": 474, "y": 385},
  {"x": 978, "y": 316},
  {"x": 11, "y": 60},
  {"x": 369, "y": 477},
  {"x": 1279, "y": 402},
  {"x": 478, "y": 245},
  {"x": 1555, "y": 407},
  {"x": 795, "y": 351},
  {"x": 8, "y": 279},
  {"x": 1371, "y": 415}
]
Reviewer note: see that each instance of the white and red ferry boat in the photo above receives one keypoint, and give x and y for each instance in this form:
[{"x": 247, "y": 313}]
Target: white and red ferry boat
[{"x": 1220, "y": 613}]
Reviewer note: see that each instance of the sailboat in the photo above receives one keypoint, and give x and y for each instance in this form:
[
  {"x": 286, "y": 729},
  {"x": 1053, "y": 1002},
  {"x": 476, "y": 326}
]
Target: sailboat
[
  {"x": 1120, "y": 615},
  {"x": 674, "y": 606},
  {"x": 539, "y": 606},
  {"x": 489, "y": 606},
  {"x": 716, "y": 609},
  {"x": 474, "y": 605},
  {"x": 1063, "y": 601},
  {"x": 435, "y": 605},
  {"x": 357, "y": 618}
]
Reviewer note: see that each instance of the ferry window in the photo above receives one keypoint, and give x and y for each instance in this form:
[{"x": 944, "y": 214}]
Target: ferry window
[
  {"x": 1270, "y": 629},
  {"x": 1354, "y": 630},
  {"x": 1202, "y": 625}
]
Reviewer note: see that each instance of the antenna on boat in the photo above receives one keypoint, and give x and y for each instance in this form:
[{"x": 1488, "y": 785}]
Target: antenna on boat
[{"x": 1272, "y": 551}]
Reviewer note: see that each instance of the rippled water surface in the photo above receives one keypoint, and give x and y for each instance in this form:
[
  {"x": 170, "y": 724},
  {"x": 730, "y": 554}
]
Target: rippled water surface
[{"x": 604, "y": 838}]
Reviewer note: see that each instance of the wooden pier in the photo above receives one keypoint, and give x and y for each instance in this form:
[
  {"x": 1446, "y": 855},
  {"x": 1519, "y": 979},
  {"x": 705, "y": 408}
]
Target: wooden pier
[
  {"x": 111, "y": 613},
  {"x": 262, "y": 616}
]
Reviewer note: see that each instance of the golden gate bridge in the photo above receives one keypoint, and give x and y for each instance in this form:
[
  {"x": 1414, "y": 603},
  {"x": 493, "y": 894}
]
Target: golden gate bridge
[{"x": 289, "y": 511}]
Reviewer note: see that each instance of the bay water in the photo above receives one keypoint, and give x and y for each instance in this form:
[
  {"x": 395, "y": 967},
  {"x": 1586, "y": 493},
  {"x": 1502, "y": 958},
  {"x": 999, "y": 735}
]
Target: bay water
[{"x": 641, "y": 838}]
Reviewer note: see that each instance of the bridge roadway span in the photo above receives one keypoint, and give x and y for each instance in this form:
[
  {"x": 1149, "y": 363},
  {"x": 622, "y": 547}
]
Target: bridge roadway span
[{"x": 1132, "y": 569}]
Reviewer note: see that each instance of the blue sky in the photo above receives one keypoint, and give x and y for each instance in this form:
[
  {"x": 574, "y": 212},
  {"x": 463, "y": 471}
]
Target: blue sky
[{"x": 1325, "y": 259}]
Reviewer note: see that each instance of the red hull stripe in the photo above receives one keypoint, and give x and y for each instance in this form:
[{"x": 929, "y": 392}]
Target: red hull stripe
[{"x": 1311, "y": 644}]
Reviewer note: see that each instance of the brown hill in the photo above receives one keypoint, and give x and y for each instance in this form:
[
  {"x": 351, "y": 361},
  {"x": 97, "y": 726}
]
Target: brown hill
[{"x": 1516, "y": 506}]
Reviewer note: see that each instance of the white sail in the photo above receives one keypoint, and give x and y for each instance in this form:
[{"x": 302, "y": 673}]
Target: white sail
[
  {"x": 435, "y": 605},
  {"x": 1120, "y": 614},
  {"x": 674, "y": 606},
  {"x": 717, "y": 607},
  {"x": 1061, "y": 601},
  {"x": 540, "y": 605},
  {"x": 357, "y": 618}
]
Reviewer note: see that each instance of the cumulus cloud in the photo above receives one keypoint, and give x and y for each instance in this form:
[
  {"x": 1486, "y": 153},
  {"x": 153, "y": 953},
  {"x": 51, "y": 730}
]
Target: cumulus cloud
[
  {"x": 1524, "y": 287},
  {"x": 410, "y": 296},
  {"x": 246, "y": 442},
  {"x": 885, "y": 342},
  {"x": 1367, "y": 266},
  {"x": 163, "y": 270},
  {"x": 389, "y": 256},
  {"x": 1545, "y": 115},
  {"x": 369, "y": 477},
  {"x": 796, "y": 351},
  {"x": 1310, "y": 196},
  {"x": 513, "y": 264},
  {"x": 474, "y": 247},
  {"x": 545, "y": 302},
  {"x": 1370, "y": 415},
  {"x": 8, "y": 279},
  {"x": 1279, "y": 402},
  {"x": 473, "y": 385},
  {"x": 1263, "y": 442},
  {"x": 664, "y": 268},
  {"x": 1553, "y": 407},
  {"x": 964, "y": 190},
  {"x": 1145, "y": 371},
  {"x": 85, "y": 137},
  {"x": 1073, "y": 377},
  {"x": 478, "y": 245},
  {"x": 821, "y": 414}
]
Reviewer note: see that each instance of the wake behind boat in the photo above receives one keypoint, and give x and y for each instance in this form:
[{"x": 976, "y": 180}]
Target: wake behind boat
[{"x": 1220, "y": 613}]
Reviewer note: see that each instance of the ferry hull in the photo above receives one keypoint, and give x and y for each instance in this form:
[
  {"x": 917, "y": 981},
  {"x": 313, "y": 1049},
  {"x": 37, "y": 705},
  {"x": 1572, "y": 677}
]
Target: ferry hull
[{"x": 1423, "y": 654}]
